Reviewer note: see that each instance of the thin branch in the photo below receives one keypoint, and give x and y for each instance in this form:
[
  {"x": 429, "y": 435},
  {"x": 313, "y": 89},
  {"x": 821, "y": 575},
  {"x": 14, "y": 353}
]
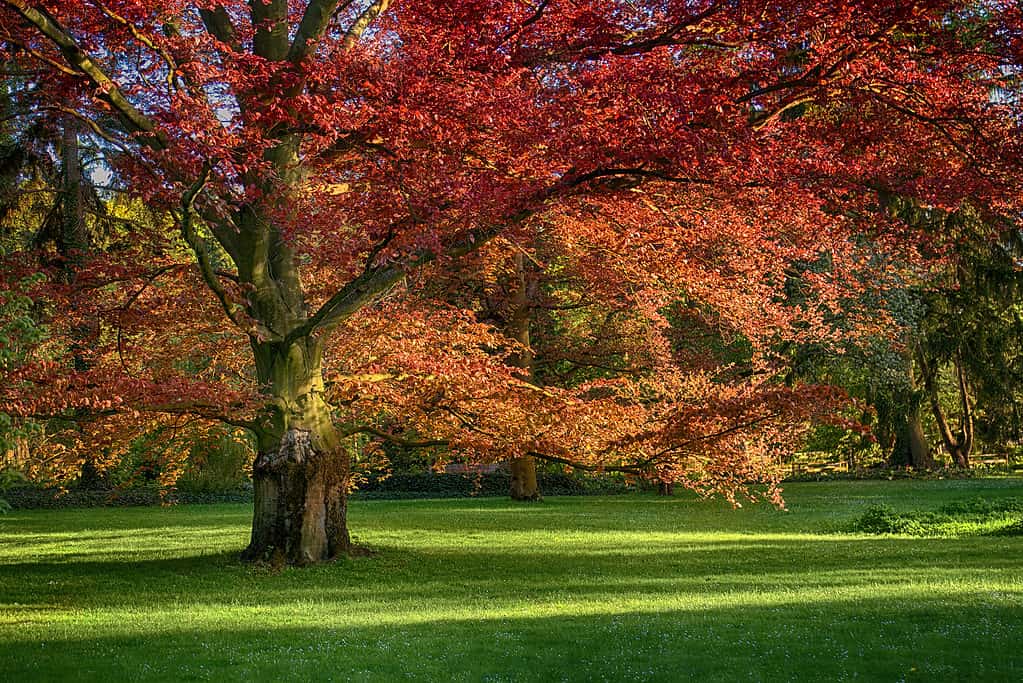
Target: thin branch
[
  {"x": 233, "y": 310},
  {"x": 41, "y": 57},
  {"x": 95, "y": 127},
  {"x": 393, "y": 438},
  {"x": 528, "y": 21},
  {"x": 144, "y": 39},
  {"x": 132, "y": 298}
]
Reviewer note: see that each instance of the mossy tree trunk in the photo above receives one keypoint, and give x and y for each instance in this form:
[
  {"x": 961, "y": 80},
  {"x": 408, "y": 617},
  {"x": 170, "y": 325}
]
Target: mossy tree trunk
[
  {"x": 909, "y": 447},
  {"x": 301, "y": 470},
  {"x": 300, "y": 473}
]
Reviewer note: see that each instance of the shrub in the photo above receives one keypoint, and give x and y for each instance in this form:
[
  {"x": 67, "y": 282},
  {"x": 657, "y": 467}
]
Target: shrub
[
  {"x": 979, "y": 516},
  {"x": 881, "y": 519}
]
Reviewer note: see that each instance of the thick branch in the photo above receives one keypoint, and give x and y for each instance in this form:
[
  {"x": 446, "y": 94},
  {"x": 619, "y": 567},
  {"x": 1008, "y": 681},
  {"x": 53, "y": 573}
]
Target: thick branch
[
  {"x": 218, "y": 24},
  {"x": 233, "y": 310},
  {"x": 360, "y": 25},
  {"x": 375, "y": 281},
  {"x": 270, "y": 19},
  {"x": 106, "y": 89},
  {"x": 310, "y": 30}
]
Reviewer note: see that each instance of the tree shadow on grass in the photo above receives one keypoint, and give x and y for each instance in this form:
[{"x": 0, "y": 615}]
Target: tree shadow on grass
[
  {"x": 871, "y": 639},
  {"x": 509, "y": 575}
]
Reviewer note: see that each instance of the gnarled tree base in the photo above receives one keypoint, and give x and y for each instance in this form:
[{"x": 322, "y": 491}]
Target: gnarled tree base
[{"x": 300, "y": 514}]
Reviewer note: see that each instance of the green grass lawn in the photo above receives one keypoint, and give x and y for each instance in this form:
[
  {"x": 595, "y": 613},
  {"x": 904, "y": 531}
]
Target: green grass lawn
[{"x": 625, "y": 588}]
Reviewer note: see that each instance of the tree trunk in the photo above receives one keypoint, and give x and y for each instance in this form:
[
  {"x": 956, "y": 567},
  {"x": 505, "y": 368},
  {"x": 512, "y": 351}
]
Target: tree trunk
[
  {"x": 524, "y": 483},
  {"x": 958, "y": 445},
  {"x": 666, "y": 488},
  {"x": 300, "y": 474},
  {"x": 72, "y": 239},
  {"x": 300, "y": 514},
  {"x": 911, "y": 447}
]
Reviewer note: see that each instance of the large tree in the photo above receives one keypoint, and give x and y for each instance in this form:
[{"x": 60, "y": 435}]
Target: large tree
[{"x": 316, "y": 153}]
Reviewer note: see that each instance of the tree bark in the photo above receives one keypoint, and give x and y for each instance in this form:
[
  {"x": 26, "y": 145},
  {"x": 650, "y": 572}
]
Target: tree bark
[
  {"x": 524, "y": 483},
  {"x": 959, "y": 444},
  {"x": 72, "y": 240},
  {"x": 911, "y": 447},
  {"x": 300, "y": 474}
]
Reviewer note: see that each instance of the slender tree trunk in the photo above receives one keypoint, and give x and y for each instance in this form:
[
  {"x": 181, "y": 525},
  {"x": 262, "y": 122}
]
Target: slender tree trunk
[
  {"x": 300, "y": 475},
  {"x": 524, "y": 483},
  {"x": 72, "y": 240},
  {"x": 965, "y": 440},
  {"x": 959, "y": 444},
  {"x": 72, "y": 244}
]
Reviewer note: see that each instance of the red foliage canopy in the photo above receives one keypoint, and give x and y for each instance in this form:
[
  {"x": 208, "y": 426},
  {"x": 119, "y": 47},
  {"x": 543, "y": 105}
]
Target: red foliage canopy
[{"x": 676, "y": 157}]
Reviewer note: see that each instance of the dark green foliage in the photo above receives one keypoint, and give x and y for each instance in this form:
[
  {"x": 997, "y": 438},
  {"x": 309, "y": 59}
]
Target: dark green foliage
[
  {"x": 39, "y": 498},
  {"x": 977, "y": 516},
  {"x": 882, "y": 519},
  {"x": 8, "y": 479},
  {"x": 399, "y": 486}
]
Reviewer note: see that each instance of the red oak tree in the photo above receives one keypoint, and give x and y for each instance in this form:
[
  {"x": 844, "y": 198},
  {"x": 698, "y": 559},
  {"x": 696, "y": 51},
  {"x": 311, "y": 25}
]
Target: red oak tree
[{"x": 314, "y": 154}]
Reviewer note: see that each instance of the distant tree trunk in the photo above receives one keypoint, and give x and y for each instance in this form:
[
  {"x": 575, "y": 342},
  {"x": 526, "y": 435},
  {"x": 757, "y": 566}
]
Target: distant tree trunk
[
  {"x": 910, "y": 445},
  {"x": 72, "y": 240},
  {"x": 666, "y": 488},
  {"x": 958, "y": 444},
  {"x": 524, "y": 483},
  {"x": 72, "y": 243}
]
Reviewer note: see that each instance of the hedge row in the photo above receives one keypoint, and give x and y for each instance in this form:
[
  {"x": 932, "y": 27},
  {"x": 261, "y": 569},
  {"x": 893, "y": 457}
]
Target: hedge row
[
  {"x": 400, "y": 486},
  {"x": 449, "y": 485},
  {"x": 30, "y": 498}
]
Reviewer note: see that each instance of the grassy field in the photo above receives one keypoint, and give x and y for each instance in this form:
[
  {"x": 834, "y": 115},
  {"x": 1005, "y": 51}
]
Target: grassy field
[{"x": 626, "y": 588}]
